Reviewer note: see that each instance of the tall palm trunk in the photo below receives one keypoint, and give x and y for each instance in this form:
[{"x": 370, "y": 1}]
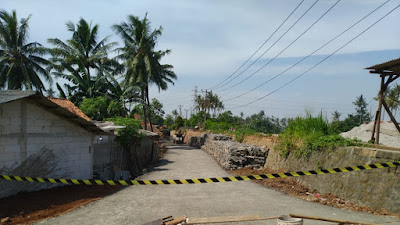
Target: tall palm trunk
[
  {"x": 148, "y": 103},
  {"x": 144, "y": 107}
]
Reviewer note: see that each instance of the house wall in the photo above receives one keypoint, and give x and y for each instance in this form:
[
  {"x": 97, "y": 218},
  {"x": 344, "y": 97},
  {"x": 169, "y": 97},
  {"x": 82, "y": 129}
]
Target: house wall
[{"x": 35, "y": 142}]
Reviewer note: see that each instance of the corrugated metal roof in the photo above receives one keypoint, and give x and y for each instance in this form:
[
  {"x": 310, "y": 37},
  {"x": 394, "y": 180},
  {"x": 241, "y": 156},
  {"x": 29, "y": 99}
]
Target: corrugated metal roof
[
  {"x": 12, "y": 95},
  {"x": 49, "y": 105},
  {"x": 392, "y": 65}
]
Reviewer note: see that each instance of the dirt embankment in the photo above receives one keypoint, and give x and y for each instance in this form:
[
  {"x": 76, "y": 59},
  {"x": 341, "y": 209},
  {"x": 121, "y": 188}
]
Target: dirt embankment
[
  {"x": 261, "y": 140},
  {"x": 30, "y": 207}
]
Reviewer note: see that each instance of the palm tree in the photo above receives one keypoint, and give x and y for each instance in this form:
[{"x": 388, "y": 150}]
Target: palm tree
[
  {"x": 211, "y": 102},
  {"x": 393, "y": 98},
  {"x": 335, "y": 116},
  {"x": 142, "y": 62},
  {"x": 78, "y": 57},
  {"x": 21, "y": 63}
]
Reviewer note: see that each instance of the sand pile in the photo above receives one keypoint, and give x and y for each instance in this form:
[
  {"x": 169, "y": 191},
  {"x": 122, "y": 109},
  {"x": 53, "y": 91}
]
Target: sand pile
[{"x": 389, "y": 135}]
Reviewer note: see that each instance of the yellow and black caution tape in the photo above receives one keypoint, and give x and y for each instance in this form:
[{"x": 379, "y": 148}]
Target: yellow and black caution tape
[{"x": 200, "y": 180}]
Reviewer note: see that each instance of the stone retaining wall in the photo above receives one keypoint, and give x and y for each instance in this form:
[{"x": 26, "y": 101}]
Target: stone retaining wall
[{"x": 232, "y": 155}]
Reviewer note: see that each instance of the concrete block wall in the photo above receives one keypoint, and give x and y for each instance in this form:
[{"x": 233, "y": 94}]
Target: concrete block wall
[
  {"x": 10, "y": 122},
  {"x": 378, "y": 188},
  {"x": 27, "y": 129}
]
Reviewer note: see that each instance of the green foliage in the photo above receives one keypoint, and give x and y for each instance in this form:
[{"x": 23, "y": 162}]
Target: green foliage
[
  {"x": 169, "y": 120},
  {"x": 101, "y": 107},
  {"x": 217, "y": 126},
  {"x": 268, "y": 125},
  {"x": 128, "y": 136},
  {"x": 239, "y": 137},
  {"x": 197, "y": 119},
  {"x": 211, "y": 102},
  {"x": 155, "y": 110},
  {"x": 179, "y": 122},
  {"x": 342, "y": 126},
  {"x": 361, "y": 109},
  {"x": 83, "y": 61},
  {"x": 21, "y": 63},
  {"x": 307, "y": 134}
]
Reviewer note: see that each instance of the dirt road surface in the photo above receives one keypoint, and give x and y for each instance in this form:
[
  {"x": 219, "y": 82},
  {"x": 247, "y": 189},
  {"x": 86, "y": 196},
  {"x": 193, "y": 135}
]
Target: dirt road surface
[{"x": 141, "y": 204}]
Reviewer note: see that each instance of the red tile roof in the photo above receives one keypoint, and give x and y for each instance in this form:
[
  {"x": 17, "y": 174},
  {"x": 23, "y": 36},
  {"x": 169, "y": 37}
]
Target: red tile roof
[{"x": 67, "y": 104}]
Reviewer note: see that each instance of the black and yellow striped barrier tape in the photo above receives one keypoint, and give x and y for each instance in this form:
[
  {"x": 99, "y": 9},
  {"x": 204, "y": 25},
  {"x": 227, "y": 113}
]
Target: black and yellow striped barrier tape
[{"x": 200, "y": 180}]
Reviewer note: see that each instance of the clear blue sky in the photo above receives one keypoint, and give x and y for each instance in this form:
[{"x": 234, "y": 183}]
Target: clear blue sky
[{"x": 210, "y": 39}]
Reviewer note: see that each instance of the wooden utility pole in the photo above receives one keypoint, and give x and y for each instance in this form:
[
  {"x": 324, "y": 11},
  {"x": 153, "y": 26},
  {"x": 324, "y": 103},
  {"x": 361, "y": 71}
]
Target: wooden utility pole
[{"x": 205, "y": 108}]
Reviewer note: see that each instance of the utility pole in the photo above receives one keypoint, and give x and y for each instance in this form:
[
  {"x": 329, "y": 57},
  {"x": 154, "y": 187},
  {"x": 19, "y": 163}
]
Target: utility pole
[
  {"x": 180, "y": 110},
  {"x": 205, "y": 108},
  {"x": 186, "y": 111},
  {"x": 194, "y": 96}
]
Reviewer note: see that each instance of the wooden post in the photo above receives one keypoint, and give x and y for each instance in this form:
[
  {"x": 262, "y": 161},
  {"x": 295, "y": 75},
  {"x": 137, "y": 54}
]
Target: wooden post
[
  {"x": 378, "y": 122},
  {"x": 373, "y": 130}
]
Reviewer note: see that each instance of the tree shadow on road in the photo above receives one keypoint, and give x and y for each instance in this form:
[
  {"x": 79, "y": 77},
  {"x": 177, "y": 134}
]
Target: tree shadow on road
[
  {"x": 160, "y": 163},
  {"x": 182, "y": 147}
]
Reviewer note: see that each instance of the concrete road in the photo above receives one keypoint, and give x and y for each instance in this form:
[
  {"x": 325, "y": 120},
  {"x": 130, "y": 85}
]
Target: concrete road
[{"x": 141, "y": 204}]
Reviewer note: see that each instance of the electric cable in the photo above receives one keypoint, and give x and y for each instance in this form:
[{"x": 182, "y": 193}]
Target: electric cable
[
  {"x": 304, "y": 58},
  {"x": 321, "y": 60},
  {"x": 283, "y": 49},
  {"x": 212, "y": 88}
]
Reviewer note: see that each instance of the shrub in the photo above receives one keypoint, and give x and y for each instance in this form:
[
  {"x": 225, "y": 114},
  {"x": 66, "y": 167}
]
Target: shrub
[{"x": 308, "y": 134}]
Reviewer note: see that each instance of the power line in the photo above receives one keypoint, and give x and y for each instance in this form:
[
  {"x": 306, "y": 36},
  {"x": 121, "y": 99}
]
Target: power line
[
  {"x": 273, "y": 43},
  {"x": 284, "y": 48},
  {"x": 260, "y": 46},
  {"x": 304, "y": 58},
  {"x": 321, "y": 60}
]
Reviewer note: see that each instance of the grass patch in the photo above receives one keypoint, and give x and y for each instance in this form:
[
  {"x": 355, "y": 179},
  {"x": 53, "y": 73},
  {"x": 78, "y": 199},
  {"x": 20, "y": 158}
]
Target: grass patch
[{"x": 305, "y": 135}]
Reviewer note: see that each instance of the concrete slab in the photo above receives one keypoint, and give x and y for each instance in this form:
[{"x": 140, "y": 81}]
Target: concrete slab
[{"x": 141, "y": 204}]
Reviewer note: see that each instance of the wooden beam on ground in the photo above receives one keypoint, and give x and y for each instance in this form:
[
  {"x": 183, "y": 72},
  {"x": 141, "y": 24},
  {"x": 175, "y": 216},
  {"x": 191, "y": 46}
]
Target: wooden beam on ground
[
  {"x": 329, "y": 220},
  {"x": 228, "y": 219},
  {"x": 390, "y": 115}
]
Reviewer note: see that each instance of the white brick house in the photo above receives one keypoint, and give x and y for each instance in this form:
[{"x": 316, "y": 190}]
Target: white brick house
[{"x": 39, "y": 137}]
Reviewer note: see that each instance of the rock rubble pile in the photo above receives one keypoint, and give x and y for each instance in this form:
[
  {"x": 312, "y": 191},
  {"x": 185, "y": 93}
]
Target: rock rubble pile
[{"x": 232, "y": 155}]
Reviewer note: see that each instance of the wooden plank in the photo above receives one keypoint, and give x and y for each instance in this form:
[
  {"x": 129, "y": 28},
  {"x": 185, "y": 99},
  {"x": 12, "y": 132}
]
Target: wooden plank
[
  {"x": 176, "y": 221},
  {"x": 329, "y": 220},
  {"x": 228, "y": 219}
]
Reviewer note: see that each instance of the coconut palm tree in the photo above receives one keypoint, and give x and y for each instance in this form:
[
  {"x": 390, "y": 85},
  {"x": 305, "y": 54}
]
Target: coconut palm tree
[
  {"x": 21, "y": 63},
  {"x": 335, "y": 116},
  {"x": 393, "y": 98},
  {"x": 77, "y": 59},
  {"x": 142, "y": 62}
]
